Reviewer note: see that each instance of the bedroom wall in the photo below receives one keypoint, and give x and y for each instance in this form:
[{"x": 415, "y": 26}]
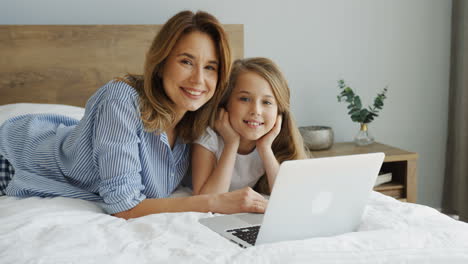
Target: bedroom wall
[{"x": 402, "y": 44}]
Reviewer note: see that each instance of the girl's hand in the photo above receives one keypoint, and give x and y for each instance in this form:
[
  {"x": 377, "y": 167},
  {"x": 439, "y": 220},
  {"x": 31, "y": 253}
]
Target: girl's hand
[
  {"x": 266, "y": 141},
  {"x": 224, "y": 128}
]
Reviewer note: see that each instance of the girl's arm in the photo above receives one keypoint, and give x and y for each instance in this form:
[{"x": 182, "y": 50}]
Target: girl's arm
[
  {"x": 239, "y": 201},
  {"x": 270, "y": 162},
  {"x": 209, "y": 177},
  {"x": 271, "y": 166}
]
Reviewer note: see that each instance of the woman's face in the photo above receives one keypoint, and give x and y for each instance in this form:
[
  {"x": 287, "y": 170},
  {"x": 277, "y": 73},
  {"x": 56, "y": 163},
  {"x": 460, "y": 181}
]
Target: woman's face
[
  {"x": 190, "y": 73},
  {"x": 252, "y": 106}
]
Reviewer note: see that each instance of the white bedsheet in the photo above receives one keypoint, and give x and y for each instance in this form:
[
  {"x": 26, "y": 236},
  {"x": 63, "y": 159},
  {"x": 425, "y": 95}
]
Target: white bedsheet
[{"x": 61, "y": 230}]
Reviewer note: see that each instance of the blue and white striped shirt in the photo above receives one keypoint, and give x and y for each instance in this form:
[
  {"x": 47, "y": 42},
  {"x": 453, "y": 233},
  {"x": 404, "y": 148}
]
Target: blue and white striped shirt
[{"x": 105, "y": 157}]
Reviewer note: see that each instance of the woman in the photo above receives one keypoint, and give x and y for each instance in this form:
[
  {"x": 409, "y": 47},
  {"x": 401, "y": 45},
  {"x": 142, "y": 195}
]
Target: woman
[{"x": 130, "y": 150}]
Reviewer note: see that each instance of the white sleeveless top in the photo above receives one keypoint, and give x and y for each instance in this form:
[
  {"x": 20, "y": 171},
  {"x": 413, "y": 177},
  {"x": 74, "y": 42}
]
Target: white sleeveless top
[{"x": 247, "y": 169}]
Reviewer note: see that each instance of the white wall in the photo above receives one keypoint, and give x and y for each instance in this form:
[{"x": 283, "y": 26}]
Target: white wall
[{"x": 370, "y": 43}]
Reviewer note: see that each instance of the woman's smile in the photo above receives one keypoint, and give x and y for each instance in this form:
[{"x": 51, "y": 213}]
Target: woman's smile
[
  {"x": 190, "y": 74},
  {"x": 192, "y": 93}
]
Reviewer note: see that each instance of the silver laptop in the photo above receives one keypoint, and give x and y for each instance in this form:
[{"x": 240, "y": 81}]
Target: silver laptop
[{"x": 311, "y": 198}]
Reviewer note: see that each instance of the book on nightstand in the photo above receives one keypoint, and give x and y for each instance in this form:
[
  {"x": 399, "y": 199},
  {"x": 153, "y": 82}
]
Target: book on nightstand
[{"x": 383, "y": 178}]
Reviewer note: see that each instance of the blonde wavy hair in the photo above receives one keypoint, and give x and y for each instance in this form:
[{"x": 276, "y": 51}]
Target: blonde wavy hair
[
  {"x": 289, "y": 144},
  {"x": 157, "y": 110}
]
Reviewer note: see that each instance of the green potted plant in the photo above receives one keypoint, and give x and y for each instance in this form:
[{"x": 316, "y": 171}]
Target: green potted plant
[{"x": 360, "y": 114}]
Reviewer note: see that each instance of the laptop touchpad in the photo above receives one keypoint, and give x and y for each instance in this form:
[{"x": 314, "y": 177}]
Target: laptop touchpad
[{"x": 253, "y": 219}]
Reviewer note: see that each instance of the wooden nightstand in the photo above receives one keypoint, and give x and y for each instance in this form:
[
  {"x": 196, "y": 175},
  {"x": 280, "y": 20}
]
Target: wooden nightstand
[{"x": 401, "y": 163}]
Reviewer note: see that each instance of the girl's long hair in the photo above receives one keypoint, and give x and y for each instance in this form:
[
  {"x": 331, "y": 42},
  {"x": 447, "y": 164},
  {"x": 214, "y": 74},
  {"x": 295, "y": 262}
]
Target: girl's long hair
[
  {"x": 289, "y": 144},
  {"x": 157, "y": 110}
]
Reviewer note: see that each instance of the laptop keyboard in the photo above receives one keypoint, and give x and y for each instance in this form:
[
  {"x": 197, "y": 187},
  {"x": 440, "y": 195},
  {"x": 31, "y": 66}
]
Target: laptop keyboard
[{"x": 248, "y": 234}]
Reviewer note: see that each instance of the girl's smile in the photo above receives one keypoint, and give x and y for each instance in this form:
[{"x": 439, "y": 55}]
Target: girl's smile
[
  {"x": 252, "y": 107},
  {"x": 253, "y": 123}
]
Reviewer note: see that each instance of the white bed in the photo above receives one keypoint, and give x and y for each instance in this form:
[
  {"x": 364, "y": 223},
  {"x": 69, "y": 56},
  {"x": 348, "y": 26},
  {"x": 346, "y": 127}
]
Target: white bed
[{"x": 62, "y": 230}]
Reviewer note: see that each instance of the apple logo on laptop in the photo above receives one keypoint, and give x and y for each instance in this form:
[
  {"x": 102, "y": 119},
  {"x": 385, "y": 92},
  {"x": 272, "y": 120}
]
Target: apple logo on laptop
[{"x": 321, "y": 202}]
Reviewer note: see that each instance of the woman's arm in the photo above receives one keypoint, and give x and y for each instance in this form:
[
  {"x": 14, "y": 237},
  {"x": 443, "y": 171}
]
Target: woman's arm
[
  {"x": 209, "y": 176},
  {"x": 240, "y": 201}
]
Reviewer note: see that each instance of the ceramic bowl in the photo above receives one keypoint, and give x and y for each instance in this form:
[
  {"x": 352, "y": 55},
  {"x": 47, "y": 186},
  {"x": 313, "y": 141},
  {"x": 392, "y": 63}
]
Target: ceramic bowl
[{"x": 317, "y": 137}]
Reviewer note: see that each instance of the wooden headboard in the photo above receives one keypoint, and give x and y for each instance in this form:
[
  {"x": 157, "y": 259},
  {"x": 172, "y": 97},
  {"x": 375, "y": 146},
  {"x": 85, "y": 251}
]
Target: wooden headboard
[{"x": 66, "y": 64}]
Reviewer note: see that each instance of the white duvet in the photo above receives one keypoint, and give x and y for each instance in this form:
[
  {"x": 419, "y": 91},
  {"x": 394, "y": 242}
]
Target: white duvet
[{"x": 61, "y": 230}]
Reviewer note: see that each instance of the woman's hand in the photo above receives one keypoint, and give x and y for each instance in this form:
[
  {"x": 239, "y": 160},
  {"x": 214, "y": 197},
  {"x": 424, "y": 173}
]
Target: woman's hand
[
  {"x": 244, "y": 200},
  {"x": 265, "y": 142},
  {"x": 224, "y": 128}
]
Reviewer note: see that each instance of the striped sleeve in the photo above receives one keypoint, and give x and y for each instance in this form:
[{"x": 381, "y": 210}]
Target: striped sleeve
[{"x": 116, "y": 153}]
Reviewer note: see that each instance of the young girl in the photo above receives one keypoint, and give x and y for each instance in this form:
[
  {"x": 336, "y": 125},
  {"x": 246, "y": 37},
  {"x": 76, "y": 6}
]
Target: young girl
[
  {"x": 130, "y": 150},
  {"x": 255, "y": 132}
]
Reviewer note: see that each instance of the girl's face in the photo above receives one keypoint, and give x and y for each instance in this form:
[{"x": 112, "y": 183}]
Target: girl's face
[
  {"x": 190, "y": 73},
  {"x": 252, "y": 107}
]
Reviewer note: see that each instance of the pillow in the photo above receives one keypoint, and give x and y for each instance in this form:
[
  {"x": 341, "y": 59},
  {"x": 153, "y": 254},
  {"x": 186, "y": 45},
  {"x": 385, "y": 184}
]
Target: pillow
[{"x": 11, "y": 110}]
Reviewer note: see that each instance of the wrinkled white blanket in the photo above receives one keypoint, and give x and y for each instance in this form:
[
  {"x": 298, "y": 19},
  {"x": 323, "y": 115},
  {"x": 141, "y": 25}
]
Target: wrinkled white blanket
[{"x": 61, "y": 230}]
